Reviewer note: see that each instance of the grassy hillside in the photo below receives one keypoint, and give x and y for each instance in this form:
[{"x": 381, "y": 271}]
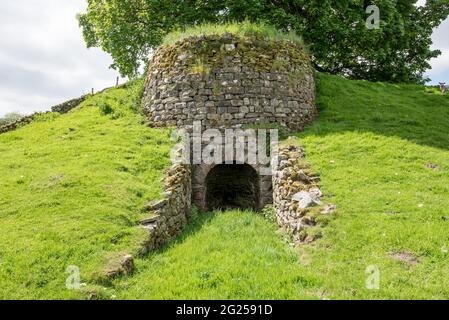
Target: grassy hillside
[
  {"x": 71, "y": 189},
  {"x": 383, "y": 154},
  {"x": 382, "y": 151}
]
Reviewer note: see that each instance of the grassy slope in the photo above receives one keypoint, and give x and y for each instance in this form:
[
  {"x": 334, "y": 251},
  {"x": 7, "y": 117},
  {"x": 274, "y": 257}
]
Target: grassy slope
[
  {"x": 70, "y": 193},
  {"x": 371, "y": 144},
  {"x": 72, "y": 197}
]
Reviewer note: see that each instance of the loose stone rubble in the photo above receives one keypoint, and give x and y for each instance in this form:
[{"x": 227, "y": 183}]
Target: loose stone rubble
[{"x": 123, "y": 266}]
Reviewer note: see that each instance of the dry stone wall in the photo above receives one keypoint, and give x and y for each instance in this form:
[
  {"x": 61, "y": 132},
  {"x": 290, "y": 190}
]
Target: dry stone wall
[
  {"x": 167, "y": 217},
  {"x": 19, "y": 123},
  {"x": 60, "y": 108},
  {"x": 229, "y": 81},
  {"x": 68, "y": 105},
  {"x": 296, "y": 195}
]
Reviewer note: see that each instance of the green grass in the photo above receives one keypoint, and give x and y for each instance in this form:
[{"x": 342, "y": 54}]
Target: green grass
[
  {"x": 231, "y": 255},
  {"x": 71, "y": 190},
  {"x": 243, "y": 29},
  {"x": 72, "y": 187},
  {"x": 373, "y": 145}
]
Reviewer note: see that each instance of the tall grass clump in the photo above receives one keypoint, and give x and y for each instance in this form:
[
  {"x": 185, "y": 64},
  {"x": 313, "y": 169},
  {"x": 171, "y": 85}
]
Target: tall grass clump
[{"x": 244, "y": 29}]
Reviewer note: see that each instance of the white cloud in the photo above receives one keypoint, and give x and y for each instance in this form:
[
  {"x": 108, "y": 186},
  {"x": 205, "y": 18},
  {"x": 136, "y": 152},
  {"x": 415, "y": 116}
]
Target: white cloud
[
  {"x": 440, "y": 65},
  {"x": 420, "y": 3},
  {"x": 43, "y": 58}
]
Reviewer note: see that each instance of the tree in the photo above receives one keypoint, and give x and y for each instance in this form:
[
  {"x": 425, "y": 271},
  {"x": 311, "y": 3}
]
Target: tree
[
  {"x": 335, "y": 30},
  {"x": 10, "y": 118}
]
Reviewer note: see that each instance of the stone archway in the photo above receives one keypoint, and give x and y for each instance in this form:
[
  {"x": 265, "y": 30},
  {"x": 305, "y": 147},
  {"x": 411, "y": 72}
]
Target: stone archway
[
  {"x": 203, "y": 176},
  {"x": 232, "y": 186}
]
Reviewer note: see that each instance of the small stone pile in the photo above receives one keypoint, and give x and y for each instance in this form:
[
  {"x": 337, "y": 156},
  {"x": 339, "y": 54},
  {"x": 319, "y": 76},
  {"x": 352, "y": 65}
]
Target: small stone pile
[{"x": 296, "y": 196}]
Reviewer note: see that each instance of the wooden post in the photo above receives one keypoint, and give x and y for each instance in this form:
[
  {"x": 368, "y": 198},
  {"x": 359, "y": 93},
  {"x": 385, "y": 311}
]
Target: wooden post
[
  {"x": 116, "y": 83},
  {"x": 92, "y": 91}
]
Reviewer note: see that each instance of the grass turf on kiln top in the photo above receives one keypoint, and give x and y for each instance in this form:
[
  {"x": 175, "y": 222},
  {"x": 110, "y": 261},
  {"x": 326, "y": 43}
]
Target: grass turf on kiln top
[{"x": 244, "y": 30}]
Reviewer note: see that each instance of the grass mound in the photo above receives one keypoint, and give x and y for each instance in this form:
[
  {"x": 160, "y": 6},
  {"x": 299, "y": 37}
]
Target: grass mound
[
  {"x": 383, "y": 154},
  {"x": 72, "y": 186}
]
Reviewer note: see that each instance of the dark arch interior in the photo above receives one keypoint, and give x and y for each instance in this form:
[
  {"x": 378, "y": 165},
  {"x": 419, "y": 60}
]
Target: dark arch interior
[{"x": 232, "y": 186}]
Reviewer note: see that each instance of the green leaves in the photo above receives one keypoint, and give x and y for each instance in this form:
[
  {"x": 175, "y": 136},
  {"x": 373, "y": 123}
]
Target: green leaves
[{"x": 336, "y": 31}]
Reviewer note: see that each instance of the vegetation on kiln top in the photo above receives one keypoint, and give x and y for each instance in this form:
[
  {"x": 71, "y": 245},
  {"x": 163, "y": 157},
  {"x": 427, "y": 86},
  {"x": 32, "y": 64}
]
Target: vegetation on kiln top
[{"x": 245, "y": 30}]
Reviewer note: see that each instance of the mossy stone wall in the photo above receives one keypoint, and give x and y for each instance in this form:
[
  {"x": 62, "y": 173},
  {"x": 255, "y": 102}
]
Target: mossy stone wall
[{"x": 229, "y": 81}]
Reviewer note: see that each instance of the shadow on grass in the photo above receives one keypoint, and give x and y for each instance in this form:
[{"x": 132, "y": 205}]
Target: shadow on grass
[
  {"x": 195, "y": 224},
  {"x": 412, "y": 112}
]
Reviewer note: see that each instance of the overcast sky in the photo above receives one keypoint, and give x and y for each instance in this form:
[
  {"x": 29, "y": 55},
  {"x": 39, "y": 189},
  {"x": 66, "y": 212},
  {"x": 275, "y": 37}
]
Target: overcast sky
[{"x": 44, "y": 61}]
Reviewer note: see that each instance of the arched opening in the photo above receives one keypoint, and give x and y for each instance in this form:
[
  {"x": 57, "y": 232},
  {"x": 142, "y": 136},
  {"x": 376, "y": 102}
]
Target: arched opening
[{"x": 232, "y": 186}]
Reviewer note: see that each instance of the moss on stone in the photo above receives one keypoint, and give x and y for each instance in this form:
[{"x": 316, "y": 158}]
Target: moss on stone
[
  {"x": 231, "y": 79},
  {"x": 275, "y": 55}
]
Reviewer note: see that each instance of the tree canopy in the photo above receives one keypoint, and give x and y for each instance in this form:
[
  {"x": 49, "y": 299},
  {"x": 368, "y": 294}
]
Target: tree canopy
[{"x": 336, "y": 31}]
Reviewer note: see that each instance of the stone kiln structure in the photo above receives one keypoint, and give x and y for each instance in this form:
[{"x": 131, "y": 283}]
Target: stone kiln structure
[
  {"x": 224, "y": 82},
  {"x": 228, "y": 81}
]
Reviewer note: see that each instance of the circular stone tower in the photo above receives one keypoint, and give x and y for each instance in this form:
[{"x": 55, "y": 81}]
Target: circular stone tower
[{"x": 230, "y": 81}]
